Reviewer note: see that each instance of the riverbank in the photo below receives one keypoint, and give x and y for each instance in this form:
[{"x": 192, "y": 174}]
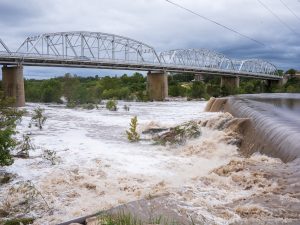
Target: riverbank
[{"x": 206, "y": 179}]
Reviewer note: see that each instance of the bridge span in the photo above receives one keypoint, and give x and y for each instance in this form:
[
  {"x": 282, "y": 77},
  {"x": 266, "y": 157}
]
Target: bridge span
[{"x": 109, "y": 51}]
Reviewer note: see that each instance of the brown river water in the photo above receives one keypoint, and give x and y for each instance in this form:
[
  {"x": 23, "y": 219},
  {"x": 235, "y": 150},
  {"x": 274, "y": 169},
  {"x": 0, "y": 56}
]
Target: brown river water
[{"x": 243, "y": 169}]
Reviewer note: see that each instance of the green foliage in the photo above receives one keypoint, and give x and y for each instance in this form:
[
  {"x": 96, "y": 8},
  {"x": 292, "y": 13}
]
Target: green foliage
[
  {"x": 51, "y": 91},
  {"x": 88, "y": 106},
  {"x": 9, "y": 117},
  {"x": 38, "y": 117},
  {"x": 80, "y": 90},
  {"x": 132, "y": 133},
  {"x": 43, "y": 91},
  {"x": 291, "y": 72},
  {"x": 198, "y": 90},
  {"x": 111, "y": 105},
  {"x": 85, "y": 90}
]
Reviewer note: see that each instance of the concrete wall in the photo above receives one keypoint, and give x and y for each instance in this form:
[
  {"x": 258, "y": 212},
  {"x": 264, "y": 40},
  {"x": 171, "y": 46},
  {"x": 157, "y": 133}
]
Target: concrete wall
[
  {"x": 230, "y": 83},
  {"x": 157, "y": 85},
  {"x": 13, "y": 84}
]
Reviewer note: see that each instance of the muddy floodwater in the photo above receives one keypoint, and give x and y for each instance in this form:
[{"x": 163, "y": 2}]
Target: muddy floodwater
[{"x": 93, "y": 167}]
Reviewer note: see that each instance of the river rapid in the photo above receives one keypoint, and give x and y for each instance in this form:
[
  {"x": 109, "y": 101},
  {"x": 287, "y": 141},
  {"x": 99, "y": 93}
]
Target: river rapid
[{"x": 94, "y": 167}]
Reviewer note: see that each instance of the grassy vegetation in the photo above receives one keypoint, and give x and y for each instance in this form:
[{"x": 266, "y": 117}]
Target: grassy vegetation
[
  {"x": 18, "y": 221},
  {"x": 123, "y": 218}
]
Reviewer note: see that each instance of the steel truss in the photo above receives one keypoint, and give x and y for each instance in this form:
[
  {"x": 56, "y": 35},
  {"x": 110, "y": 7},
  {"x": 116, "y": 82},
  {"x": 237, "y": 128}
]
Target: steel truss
[
  {"x": 86, "y": 46},
  {"x": 204, "y": 58},
  {"x": 102, "y": 50},
  {"x": 3, "y": 48}
]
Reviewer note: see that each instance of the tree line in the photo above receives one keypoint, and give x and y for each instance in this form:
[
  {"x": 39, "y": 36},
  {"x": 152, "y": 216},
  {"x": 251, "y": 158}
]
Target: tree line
[{"x": 82, "y": 90}]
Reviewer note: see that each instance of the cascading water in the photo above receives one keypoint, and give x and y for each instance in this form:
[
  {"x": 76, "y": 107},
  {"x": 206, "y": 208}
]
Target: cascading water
[{"x": 275, "y": 122}]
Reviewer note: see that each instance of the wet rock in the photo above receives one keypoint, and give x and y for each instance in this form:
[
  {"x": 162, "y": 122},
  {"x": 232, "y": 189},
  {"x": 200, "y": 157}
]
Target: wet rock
[
  {"x": 6, "y": 177},
  {"x": 154, "y": 130},
  {"x": 93, "y": 221},
  {"x": 90, "y": 186}
]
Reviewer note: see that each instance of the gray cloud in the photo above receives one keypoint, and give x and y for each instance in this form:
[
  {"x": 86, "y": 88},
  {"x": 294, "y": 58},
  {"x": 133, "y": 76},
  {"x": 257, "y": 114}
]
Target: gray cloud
[{"x": 162, "y": 25}]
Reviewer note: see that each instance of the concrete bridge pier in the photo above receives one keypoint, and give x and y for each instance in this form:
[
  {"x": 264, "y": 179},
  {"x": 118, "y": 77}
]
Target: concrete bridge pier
[
  {"x": 230, "y": 83},
  {"x": 274, "y": 83},
  {"x": 199, "y": 77},
  {"x": 157, "y": 85},
  {"x": 13, "y": 84}
]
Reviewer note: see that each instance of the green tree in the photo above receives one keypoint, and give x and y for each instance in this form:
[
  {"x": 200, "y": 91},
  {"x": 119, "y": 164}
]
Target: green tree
[
  {"x": 291, "y": 72},
  {"x": 51, "y": 91},
  {"x": 71, "y": 86},
  {"x": 9, "y": 117},
  {"x": 198, "y": 90}
]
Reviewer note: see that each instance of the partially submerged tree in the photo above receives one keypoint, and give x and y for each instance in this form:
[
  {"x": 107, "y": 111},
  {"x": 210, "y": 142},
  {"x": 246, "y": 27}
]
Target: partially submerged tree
[
  {"x": 25, "y": 146},
  {"x": 111, "y": 105},
  {"x": 9, "y": 116},
  {"x": 38, "y": 117},
  {"x": 132, "y": 133}
]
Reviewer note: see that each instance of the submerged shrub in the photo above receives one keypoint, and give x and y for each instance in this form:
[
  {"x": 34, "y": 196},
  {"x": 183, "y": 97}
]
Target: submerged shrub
[
  {"x": 25, "y": 146},
  {"x": 88, "y": 106},
  {"x": 111, "y": 105},
  {"x": 71, "y": 105},
  {"x": 179, "y": 134},
  {"x": 51, "y": 156},
  {"x": 38, "y": 117},
  {"x": 132, "y": 134},
  {"x": 126, "y": 108}
]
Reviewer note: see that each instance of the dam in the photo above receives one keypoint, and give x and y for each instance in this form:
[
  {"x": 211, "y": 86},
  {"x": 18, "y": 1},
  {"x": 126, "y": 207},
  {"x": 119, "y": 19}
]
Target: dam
[{"x": 275, "y": 124}]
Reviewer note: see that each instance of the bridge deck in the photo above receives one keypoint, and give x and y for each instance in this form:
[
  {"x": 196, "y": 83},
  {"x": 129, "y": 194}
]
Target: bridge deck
[{"x": 15, "y": 59}]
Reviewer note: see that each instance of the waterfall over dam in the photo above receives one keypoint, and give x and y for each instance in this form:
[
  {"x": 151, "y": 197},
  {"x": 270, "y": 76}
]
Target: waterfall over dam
[{"x": 274, "y": 126}]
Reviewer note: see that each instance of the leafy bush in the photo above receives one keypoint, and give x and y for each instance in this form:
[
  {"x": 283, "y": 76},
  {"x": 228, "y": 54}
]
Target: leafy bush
[
  {"x": 132, "y": 134},
  {"x": 111, "y": 105},
  {"x": 71, "y": 105}
]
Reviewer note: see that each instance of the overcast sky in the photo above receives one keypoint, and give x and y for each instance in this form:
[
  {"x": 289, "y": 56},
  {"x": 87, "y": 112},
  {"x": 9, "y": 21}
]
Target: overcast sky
[{"x": 162, "y": 25}]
